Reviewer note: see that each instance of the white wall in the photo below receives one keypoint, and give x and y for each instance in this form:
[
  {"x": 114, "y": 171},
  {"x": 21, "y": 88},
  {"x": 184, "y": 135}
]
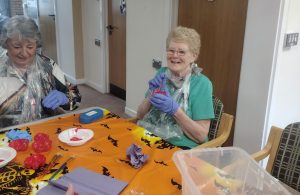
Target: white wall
[
  {"x": 147, "y": 24},
  {"x": 269, "y": 85},
  {"x": 256, "y": 73},
  {"x": 65, "y": 37},
  {"x": 285, "y": 105}
]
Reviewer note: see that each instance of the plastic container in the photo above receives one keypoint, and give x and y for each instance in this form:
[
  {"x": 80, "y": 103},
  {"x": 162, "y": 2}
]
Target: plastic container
[
  {"x": 226, "y": 170},
  {"x": 91, "y": 116}
]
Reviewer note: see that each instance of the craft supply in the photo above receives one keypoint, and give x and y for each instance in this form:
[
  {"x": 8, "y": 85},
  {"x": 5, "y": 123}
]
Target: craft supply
[
  {"x": 51, "y": 164},
  {"x": 42, "y": 143},
  {"x": 55, "y": 184},
  {"x": 19, "y": 144},
  {"x": 15, "y": 134},
  {"x": 75, "y": 136},
  {"x": 85, "y": 181},
  {"x": 6, "y": 155},
  {"x": 61, "y": 168},
  {"x": 34, "y": 161},
  {"x": 135, "y": 155},
  {"x": 91, "y": 116}
]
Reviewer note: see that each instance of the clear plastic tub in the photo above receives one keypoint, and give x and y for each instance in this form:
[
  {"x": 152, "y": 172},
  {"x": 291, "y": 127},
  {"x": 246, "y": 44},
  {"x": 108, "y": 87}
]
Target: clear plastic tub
[{"x": 222, "y": 171}]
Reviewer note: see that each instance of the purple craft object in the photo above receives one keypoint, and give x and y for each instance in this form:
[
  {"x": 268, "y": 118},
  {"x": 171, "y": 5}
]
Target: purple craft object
[{"x": 135, "y": 155}]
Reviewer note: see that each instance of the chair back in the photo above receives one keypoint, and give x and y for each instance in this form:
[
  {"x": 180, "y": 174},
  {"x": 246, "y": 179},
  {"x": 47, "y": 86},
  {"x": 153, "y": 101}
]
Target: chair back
[
  {"x": 286, "y": 165},
  {"x": 214, "y": 124}
]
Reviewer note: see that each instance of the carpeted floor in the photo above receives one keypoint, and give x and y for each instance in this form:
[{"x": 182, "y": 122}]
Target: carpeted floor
[{"x": 91, "y": 98}]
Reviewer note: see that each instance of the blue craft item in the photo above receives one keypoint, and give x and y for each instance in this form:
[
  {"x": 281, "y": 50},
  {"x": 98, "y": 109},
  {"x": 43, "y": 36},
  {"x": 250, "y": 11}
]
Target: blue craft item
[
  {"x": 91, "y": 116},
  {"x": 14, "y": 134}
]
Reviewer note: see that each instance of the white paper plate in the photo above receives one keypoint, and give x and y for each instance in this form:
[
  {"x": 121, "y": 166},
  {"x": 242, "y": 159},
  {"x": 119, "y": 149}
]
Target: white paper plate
[
  {"x": 6, "y": 155},
  {"x": 83, "y": 134}
]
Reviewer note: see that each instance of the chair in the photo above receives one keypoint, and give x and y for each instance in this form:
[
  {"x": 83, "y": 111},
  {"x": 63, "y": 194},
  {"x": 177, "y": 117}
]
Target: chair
[
  {"x": 283, "y": 149},
  {"x": 220, "y": 126},
  {"x": 222, "y": 133},
  {"x": 214, "y": 124}
]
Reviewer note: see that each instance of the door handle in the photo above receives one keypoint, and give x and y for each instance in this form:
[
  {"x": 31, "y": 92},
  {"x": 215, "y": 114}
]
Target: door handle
[{"x": 111, "y": 28}]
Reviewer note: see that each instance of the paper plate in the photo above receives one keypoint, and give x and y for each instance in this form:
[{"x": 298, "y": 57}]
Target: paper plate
[
  {"x": 75, "y": 136},
  {"x": 6, "y": 155}
]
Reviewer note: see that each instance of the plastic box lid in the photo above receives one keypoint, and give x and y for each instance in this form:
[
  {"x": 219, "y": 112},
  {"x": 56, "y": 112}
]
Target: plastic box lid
[{"x": 224, "y": 170}]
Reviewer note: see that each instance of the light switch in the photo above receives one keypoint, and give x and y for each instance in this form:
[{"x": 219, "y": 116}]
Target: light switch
[
  {"x": 156, "y": 64},
  {"x": 291, "y": 39}
]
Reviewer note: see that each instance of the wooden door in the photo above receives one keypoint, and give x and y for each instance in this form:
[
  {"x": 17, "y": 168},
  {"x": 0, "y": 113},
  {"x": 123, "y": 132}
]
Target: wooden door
[
  {"x": 221, "y": 24},
  {"x": 117, "y": 49},
  {"x": 47, "y": 28}
]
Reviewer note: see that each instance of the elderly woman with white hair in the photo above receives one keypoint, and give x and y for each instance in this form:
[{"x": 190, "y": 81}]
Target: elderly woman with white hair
[
  {"x": 178, "y": 106},
  {"x": 32, "y": 85}
]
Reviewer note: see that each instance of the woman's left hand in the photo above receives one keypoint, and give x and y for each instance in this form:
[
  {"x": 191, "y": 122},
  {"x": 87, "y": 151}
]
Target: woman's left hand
[{"x": 164, "y": 103}]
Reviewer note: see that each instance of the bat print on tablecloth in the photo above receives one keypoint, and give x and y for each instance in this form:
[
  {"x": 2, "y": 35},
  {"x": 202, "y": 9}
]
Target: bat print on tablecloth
[
  {"x": 105, "y": 125},
  {"x": 106, "y": 172},
  {"x": 113, "y": 141},
  {"x": 161, "y": 162},
  {"x": 95, "y": 150},
  {"x": 173, "y": 182}
]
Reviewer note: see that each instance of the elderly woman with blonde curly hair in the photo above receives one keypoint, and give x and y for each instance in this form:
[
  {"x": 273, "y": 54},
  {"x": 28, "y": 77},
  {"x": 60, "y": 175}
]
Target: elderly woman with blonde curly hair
[
  {"x": 32, "y": 85},
  {"x": 178, "y": 106}
]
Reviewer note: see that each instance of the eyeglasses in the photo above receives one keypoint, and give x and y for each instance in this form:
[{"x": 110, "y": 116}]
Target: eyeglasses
[{"x": 180, "y": 53}]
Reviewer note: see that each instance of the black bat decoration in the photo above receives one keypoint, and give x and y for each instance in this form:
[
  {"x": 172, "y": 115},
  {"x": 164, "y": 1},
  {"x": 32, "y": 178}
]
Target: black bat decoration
[
  {"x": 64, "y": 149},
  {"x": 105, "y": 125},
  {"x": 179, "y": 187},
  {"x": 95, "y": 150},
  {"x": 147, "y": 142},
  {"x": 77, "y": 125},
  {"x": 105, "y": 171},
  {"x": 113, "y": 141},
  {"x": 161, "y": 162},
  {"x": 125, "y": 161},
  {"x": 58, "y": 130}
]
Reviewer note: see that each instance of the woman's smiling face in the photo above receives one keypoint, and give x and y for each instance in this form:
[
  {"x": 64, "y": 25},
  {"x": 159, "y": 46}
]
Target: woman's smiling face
[
  {"x": 179, "y": 58},
  {"x": 21, "y": 52}
]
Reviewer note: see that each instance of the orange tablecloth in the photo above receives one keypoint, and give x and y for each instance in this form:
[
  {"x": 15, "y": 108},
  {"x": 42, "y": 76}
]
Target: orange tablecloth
[{"x": 105, "y": 154}]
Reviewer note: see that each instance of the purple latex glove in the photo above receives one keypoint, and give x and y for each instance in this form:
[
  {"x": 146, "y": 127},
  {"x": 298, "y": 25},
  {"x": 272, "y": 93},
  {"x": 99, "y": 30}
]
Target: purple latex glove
[
  {"x": 134, "y": 154},
  {"x": 156, "y": 81},
  {"x": 55, "y": 99},
  {"x": 164, "y": 103}
]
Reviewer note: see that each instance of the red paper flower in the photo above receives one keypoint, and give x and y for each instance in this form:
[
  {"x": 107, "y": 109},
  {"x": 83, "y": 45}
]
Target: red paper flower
[
  {"x": 41, "y": 143},
  {"x": 34, "y": 161},
  {"x": 19, "y": 144},
  {"x": 41, "y": 137}
]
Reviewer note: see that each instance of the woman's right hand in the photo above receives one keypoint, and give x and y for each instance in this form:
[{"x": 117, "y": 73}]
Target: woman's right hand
[{"x": 156, "y": 81}]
